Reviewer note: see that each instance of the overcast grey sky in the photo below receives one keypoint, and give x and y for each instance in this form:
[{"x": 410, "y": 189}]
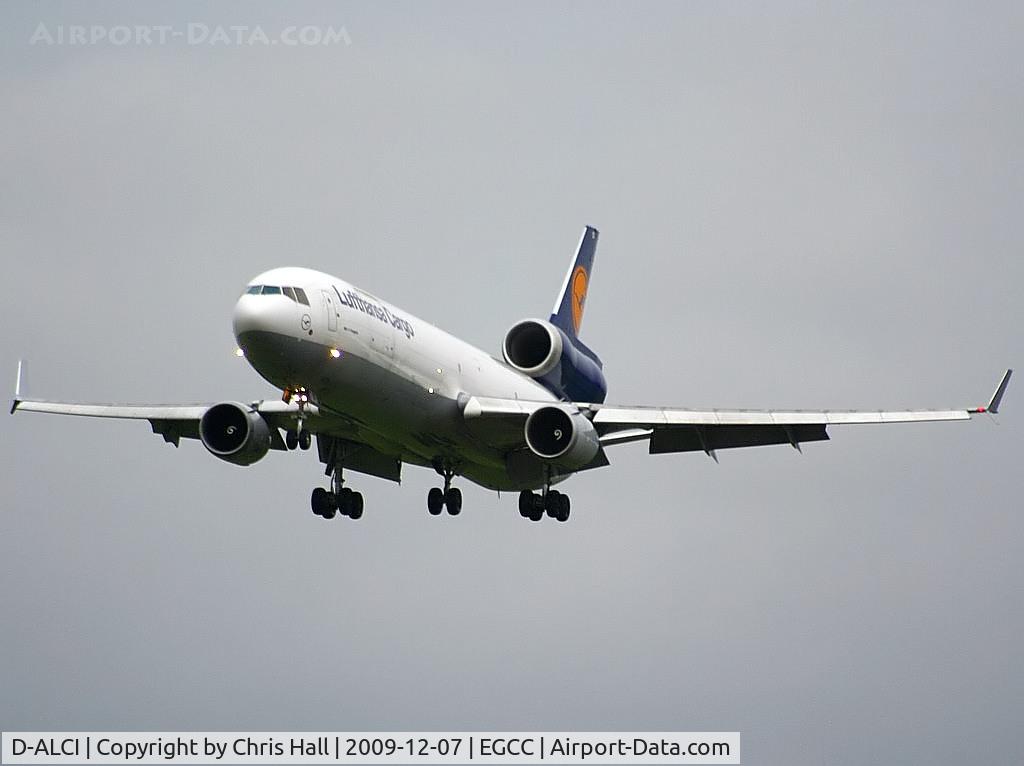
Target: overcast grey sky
[{"x": 799, "y": 206}]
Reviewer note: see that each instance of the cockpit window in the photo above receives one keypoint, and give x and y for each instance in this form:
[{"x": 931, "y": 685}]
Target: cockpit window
[{"x": 296, "y": 294}]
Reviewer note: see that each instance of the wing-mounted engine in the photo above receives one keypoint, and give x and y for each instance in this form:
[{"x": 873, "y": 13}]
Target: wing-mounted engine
[
  {"x": 235, "y": 433},
  {"x": 563, "y": 436},
  {"x": 561, "y": 364}
]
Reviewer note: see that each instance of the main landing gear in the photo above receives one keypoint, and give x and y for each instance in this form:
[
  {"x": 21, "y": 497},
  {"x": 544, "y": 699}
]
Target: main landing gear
[
  {"x": 450, "y": 497},
  {"x": 533, "y": 505},
  {"x": 339, "y": 499}
]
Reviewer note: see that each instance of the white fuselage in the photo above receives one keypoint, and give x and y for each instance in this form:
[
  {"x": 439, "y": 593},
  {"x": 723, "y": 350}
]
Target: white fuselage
[{"x": 396, "y": 382}]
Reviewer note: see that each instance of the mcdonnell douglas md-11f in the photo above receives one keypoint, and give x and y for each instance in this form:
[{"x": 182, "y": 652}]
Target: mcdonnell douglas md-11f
[{"x": 379, "y": 387}]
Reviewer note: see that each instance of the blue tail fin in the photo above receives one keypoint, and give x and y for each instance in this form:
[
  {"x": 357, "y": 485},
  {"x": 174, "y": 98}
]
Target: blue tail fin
[{"x": 568, "y": 312}]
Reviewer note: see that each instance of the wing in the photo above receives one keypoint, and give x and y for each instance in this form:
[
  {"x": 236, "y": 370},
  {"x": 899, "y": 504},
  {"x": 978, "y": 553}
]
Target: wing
[
  {"x": 338, "y": 437},
  {"x": 172, "y": 421},
  {"x": 687, "y": 430}
]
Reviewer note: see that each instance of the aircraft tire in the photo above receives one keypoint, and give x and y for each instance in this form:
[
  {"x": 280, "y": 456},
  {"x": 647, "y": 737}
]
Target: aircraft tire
[
  {"x": 453, "y": 501},
  {"x": 563, "y": 509},
  {"x": 344, "y": 501},
  {"x": 305, "y": 440},
  {"x": 319, "y": 501},
  {"x": 355, "y": 510},
  {"x": 537, "y": 512},
  {"x": 553, "y": 503},
  {"x": 525, "y": 503},
  {"x": 435, "y": 501}
]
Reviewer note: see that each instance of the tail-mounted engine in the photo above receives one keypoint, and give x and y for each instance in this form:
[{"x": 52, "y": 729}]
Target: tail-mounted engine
[
  {"x": 562, "y": 365},
  {"x": 235, "y": 433},
  {"x": 562, "y": 436}
]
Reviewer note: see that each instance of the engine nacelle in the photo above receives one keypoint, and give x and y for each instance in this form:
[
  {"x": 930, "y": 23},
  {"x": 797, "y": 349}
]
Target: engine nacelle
[
  {"x": 565, "y": 367},
  {"x": 235, "y": 433},
  {"x": 562, "y": 436}
]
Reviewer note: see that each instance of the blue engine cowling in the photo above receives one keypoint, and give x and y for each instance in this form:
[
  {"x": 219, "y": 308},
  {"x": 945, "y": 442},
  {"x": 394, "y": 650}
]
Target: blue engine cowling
[{"x": 561, "y": 364}]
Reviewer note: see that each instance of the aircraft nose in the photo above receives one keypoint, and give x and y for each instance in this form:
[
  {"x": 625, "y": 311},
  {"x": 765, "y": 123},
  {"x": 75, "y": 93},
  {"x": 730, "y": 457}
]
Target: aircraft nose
[{"x": 248, "y": 316}]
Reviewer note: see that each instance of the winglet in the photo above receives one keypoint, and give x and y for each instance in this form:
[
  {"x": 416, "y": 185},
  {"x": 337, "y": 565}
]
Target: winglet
[
  {"x": 997, "y": 397},
  {"x": 17, "y": 388}
]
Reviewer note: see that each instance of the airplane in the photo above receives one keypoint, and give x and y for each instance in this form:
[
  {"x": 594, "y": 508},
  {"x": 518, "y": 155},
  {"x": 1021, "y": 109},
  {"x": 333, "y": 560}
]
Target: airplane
[{"x": 379, "y": 388}]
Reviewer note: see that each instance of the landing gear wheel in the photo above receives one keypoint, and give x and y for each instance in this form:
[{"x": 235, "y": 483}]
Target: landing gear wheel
[
  {"x": 435, "y": 501},
  {"x": 319, "y": 501},
  {"x": 453, "y": 501},
  {"x": 526, "y": 504},
  {"x": 344, "y": 501},
  {"x": 305, "y": 439},
  {"x": 556, "y": 505},
  {"x": 563, "y": 509},
  {"x": 537, "y": 511},
  {"x": 355, "y": 510},
  {"x": 291, "y": 440},
  {"x": 553, "y": 503}
]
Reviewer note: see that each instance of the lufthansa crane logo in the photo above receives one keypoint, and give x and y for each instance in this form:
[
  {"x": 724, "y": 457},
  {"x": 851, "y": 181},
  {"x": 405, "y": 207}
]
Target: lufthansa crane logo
[{"x": 578, "y": 289}]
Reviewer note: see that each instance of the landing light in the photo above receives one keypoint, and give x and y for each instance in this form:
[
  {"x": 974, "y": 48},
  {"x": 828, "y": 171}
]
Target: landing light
[
  {"x": 239, "y": 352},
  {"x": 335, "y": 354}
]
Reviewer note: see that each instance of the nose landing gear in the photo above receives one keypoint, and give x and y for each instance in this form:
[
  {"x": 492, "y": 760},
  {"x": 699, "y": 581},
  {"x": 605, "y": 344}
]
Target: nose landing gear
[{"x": 300, "y": 437}]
